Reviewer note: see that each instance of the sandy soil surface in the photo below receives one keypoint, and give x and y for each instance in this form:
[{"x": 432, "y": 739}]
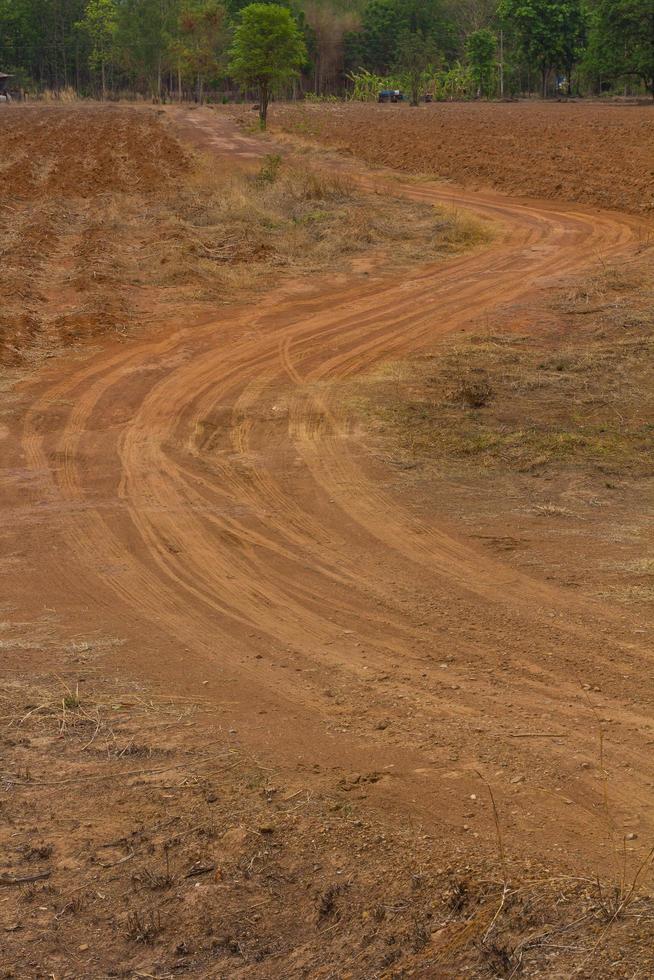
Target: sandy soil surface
[
  {"x": 600, "y": 155},
  {"x": 203, "y": 506}
]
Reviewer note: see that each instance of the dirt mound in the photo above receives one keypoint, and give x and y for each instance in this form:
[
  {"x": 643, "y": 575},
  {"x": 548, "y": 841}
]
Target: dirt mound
[{"x": 544, "y": 151}]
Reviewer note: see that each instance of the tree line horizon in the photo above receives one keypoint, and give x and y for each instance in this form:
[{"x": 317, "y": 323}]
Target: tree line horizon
[{"x": 443, "y": 49}]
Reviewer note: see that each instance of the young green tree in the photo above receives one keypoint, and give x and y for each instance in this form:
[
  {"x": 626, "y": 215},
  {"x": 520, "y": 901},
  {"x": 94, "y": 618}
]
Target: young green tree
[
  {"x": 100, "y": 23},
  {"x": 481, "y": 46},
  {"x": 416, "y": 53},
  {"x": 267, "y": 49}
]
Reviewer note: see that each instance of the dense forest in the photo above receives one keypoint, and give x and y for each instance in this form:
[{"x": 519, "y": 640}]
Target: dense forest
[{"x": 167, "y": 49}]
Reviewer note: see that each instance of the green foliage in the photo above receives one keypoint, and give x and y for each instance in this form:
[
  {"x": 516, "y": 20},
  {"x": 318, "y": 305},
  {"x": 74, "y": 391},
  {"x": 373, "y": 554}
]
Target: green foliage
[
  {"x": 381, "y": 26},
  {"x": 417, "y": 55},
  {"x": 160, "y": 47},
  {"x": 100, "y": 23},
  {"x": 199, "y": 41},
  {"x": 385, "y": 25},
  {"x": 143, "y": 42},
  {"x": 481, "y": 46},
  {"x": 268, "y": 49},
  {"x": 39, "y": 41},
  {"x": 548, "y": 32},
  {"x": 456, "y": 82},
  {"x": 621, "y": 41},
  {"x": 366, "y": 85}
]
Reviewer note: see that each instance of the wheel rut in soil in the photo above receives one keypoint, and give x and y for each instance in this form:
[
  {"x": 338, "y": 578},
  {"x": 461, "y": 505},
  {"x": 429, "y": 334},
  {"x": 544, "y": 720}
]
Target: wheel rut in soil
[{"x": 202, "y": 493}]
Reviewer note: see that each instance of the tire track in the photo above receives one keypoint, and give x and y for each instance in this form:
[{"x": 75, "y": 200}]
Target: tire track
[{"x": 230, "y": 508}]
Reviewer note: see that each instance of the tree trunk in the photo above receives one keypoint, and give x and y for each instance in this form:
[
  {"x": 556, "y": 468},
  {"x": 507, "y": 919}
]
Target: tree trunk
[
  {"x": 104, "y": 79},
  {"x": 501, "y": 64},
  {"x": 264, "y": 96},
  {"x": 179, "y": 82}
]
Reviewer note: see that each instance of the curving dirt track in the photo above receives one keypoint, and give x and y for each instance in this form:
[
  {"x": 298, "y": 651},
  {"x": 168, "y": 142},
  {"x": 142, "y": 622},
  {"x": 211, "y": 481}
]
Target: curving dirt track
[{"x": 202, "y": 494}]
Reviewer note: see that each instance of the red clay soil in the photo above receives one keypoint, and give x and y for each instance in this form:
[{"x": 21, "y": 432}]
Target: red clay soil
[
  {"x": 201, "y": 496},
  {"x": 596, "y": 154},
  {"x": 77, "y": 151},
  {"x": 70, "y": 253}
]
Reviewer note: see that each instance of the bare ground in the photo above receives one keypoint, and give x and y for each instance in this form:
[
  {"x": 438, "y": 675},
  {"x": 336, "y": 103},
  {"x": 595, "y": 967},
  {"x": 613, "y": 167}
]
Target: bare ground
[
  {"x": 582, "y": 153},
  {"x": 113, "y": 224},
  {"x": 285, "y": 707},
  {"x": 139, "y": 841}
]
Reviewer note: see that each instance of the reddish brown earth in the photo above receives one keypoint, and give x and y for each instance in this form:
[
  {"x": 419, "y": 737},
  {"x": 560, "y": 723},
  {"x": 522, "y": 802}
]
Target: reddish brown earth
[
  {"x": 203, "y": 500},
  {"x": 70, "y": 257},
  {"x": 596, "y": 154}
]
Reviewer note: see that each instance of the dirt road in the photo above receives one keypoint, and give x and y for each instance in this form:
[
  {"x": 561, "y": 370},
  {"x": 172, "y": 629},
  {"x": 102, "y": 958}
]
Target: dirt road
[{"x": 202, "y": 494}]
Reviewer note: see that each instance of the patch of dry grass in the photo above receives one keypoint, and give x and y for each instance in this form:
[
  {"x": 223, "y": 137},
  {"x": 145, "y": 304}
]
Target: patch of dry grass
[
  {"x": 225, "y": 230},
  {"x": 133, "y": 227},
  {"x": 581, "y": 397}
]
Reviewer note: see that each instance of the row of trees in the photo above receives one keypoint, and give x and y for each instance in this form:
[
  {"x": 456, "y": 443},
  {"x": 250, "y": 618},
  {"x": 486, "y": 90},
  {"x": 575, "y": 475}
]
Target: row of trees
[{"x": 168, "y": 48}]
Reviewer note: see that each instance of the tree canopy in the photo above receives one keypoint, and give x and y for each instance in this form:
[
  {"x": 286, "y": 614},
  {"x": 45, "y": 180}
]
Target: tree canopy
[
  {"x": 267, "y": 49},
  {"x": 175, "y": 48},
  {"x": 621, "y": 41}
]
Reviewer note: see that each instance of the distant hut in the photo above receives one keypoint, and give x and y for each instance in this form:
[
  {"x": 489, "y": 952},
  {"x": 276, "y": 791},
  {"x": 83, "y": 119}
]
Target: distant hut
[{"x": 4, "y": 90}]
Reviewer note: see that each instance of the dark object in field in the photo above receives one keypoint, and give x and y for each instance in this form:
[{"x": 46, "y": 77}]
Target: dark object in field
[
  {"x": 24, "y": 879},
  {"x": 390, "y": 95},
  {"x": 4, "y": 91}
]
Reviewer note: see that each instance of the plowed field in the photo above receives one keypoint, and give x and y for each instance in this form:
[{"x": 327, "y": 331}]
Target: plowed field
[{"x": 600, "y": 155}]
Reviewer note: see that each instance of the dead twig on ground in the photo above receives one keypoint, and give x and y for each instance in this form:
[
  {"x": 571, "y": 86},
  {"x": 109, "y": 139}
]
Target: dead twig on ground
[{"x": 24, "y": 879}]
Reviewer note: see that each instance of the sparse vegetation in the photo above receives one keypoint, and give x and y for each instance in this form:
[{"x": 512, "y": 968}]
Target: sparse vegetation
[
  {"x": 531, "y": 402},
  {"x": 405, "y": 906},
  {"x": 139, "y": 238}
]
